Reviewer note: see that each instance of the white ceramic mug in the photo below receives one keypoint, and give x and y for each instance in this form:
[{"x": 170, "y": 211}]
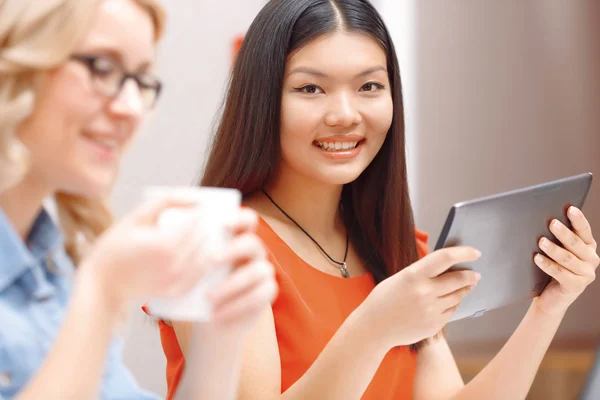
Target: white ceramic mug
[{"x": 213, "y": 209}]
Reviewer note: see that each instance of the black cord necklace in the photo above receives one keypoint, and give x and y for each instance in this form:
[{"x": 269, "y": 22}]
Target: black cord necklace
[{"x": 341, "y": 265}]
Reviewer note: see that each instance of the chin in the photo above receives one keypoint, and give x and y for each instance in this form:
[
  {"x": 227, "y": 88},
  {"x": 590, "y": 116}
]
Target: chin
[
  {"x": 91, "y": 187},
  {"x": 339, "y": 178}
]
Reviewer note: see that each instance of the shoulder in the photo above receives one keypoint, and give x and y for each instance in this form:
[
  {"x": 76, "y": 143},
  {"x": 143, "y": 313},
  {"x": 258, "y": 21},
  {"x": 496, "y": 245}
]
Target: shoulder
[{"x": 264, "y": 229}]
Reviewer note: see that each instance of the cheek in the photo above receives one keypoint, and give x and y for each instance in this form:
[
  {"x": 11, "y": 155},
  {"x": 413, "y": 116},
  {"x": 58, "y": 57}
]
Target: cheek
[
  {"x": 63, "y": 106},
  {"x": 379, "y": 115},
  {"x": 51, "y": 133},
  {"x": 299, "y": 119}
]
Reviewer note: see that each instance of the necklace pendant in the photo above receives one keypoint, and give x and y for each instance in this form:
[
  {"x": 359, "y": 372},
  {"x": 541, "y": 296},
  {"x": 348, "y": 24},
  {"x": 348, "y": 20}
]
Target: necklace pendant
[{"x": 344, "y": 271}]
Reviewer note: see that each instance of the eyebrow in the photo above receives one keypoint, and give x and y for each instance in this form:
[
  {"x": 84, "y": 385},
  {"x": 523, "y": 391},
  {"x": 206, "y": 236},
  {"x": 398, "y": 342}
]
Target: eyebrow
[{"x": 311, "y": 71}]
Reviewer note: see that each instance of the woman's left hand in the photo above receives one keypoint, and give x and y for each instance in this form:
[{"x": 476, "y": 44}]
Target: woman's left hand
[
  {"x": 251, "y": 287},
  {"x": 572, "y": 268}
]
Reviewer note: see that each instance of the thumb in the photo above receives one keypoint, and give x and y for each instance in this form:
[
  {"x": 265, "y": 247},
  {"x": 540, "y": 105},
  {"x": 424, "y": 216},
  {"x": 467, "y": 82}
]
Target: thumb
[{"x": 438, "y": 262}]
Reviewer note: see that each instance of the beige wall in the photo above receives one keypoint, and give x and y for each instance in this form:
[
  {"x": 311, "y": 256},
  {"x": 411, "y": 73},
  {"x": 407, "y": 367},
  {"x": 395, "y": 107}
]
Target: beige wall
[{"x": 508, "y": 94}]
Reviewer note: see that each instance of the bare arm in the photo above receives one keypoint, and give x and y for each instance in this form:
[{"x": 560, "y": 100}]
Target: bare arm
[
  {"x": 351, "y": 358},
  {"x": 347, "y": 364},
  {"x": 81, "y": 346},
  {"x": 402, "y": 309},
  {"x": 508, "y": 376},
  {"x": 214, "y": 350},
  {"x": 213, "y": 360}
]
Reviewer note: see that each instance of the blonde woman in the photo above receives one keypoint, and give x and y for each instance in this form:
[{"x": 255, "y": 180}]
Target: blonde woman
[{"x": 75, "y": 82}]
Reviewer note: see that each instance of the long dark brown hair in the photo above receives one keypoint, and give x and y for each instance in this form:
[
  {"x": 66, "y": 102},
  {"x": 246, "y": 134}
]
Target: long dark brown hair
[{"x": 246, "y": 149}]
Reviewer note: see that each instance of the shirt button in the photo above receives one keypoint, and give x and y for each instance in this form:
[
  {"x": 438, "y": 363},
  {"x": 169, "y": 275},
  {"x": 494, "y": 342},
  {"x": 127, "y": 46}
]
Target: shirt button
[{"x": 5, "y": 379}]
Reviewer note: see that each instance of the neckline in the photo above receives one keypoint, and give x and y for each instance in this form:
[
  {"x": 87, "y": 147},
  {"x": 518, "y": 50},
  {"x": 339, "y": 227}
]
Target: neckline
[{"x": 362, "y": 277}]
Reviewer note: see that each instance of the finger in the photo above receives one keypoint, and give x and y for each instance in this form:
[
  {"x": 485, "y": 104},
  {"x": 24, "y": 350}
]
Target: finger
[
  {"x": 149, "y": 211},
  {"x": 453, "y": 299},
  {"x": 186, "y": 240},
  {"x": 562, "y": 256},
  {"x": 571, "y": 241},
  {"x": 566, "y": 278},
  {"x": 439, "y": 261},
  {"x": 191, "y": 259},
  {"x": 455, "y": 280},
  {"x": 243, "y": 279},
  {"x": 245, "y": 247},
  {"x": 186, "y": 277},
  {"x": 248, "y": 304},
  {"x": 180, "y": 267},
  {"x": 581, "y": 226},
  {"x": 246, "y": 220}
]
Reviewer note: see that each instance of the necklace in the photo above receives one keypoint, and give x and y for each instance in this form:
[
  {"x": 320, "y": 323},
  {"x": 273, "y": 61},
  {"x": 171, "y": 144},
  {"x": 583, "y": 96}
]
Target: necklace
[{"x": 340, "y": 265}]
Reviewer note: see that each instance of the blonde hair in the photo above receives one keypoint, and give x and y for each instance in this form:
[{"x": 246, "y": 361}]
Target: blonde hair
[{"x": 36, "y": 36}]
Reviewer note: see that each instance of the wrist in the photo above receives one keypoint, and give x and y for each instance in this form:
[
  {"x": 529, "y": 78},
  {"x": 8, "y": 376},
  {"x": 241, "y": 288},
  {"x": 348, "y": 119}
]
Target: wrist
[
  {"x": 92, "y": 293},
  {"x": 542, "y": 312},
  {"x": 366, "y": 326}
]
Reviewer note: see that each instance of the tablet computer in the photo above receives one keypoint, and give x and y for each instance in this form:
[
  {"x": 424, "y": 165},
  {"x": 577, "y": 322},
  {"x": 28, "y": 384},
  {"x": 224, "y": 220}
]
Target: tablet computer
[{"x": 506, "y": 228}]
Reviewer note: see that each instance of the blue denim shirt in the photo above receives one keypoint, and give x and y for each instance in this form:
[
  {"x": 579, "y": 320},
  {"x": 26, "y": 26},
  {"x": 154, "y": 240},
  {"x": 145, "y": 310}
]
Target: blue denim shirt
[{"x": 35, "y": 284}]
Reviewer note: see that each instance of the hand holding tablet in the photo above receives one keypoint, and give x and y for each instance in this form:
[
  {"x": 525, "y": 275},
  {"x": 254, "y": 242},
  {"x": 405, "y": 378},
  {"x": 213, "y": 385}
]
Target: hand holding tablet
[{"x": 507, "y": 228}]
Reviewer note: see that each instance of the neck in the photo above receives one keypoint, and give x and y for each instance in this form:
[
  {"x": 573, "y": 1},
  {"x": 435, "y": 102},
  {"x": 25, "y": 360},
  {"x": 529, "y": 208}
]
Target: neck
[
  {"x": 22, "y": 203},
  {"x": 312, "y": 204}
]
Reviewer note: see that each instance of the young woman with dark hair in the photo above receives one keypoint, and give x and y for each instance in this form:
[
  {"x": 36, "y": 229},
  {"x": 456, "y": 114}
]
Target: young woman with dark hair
[{"x": 312, "y": 133}]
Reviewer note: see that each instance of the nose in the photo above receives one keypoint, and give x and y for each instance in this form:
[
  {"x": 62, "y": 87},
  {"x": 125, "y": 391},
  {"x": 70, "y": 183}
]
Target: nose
[
  {"x": 128, "y": 103},
  {"x": 342, "y": 111}
]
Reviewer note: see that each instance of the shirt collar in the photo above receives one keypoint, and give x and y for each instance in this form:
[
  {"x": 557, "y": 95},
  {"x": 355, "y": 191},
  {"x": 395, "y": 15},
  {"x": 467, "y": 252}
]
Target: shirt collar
[{"x": 16, "y": 256}]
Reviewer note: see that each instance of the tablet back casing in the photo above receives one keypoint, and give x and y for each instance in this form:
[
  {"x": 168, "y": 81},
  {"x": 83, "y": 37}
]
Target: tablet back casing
[{"x": 506, "y": 228}]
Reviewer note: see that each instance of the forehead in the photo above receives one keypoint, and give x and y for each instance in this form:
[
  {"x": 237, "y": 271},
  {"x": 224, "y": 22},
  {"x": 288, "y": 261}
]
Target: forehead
[
  {"x": 123, "y": 27},
  {"x": 339, "y": 50}
]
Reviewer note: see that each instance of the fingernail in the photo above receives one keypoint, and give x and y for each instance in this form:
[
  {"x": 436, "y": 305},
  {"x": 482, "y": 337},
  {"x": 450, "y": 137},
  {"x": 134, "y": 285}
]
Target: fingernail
[
  {"x": 538, "y": 258},
  {"x": 478, "y": 253},
  {"x": 477, "y": 276},
  {"x": 555, "y": 223},
  {"x": 544, "y": 243},
  {"x": 574, "y": 212}
]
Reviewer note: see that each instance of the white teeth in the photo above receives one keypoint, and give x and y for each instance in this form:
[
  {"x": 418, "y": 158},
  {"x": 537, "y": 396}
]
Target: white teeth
[{"x": 336, "y": 146}]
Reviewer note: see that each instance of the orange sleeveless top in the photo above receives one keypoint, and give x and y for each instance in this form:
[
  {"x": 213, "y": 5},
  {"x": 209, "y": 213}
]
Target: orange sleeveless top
[{"x": 310, "y": 308}]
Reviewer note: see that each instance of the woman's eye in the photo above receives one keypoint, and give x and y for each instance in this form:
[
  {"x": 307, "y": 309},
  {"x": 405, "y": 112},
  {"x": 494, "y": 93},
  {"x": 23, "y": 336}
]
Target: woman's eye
[
  {"x": 148, "y": 80},
  {"x": 103, "y": 67},
  {"x": 310, "y": 89},
  {"x": 371, "y": 87}
]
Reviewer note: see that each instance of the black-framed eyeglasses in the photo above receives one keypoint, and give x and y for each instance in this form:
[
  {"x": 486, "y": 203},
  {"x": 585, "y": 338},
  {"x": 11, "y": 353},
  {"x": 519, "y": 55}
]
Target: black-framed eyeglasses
[{"x": 108, "y": 77}]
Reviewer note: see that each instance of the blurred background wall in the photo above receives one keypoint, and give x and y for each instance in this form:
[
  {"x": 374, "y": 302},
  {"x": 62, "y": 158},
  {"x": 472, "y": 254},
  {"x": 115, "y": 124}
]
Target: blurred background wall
[
  {"x": 508, "y": 94},
  {"x": 499, "y": 94}
]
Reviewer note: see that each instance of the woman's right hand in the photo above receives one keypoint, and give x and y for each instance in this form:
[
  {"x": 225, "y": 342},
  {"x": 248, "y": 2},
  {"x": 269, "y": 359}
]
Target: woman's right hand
[
  {"x": 135, "y": 259},
  {"x": 417, "y": 302}
]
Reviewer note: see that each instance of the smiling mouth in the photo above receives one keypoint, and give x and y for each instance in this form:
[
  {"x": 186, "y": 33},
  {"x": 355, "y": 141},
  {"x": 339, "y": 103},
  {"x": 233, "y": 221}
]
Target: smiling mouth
[
  {"x": 337, "y": 146},
  {"x": 106, "y": 143}
]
